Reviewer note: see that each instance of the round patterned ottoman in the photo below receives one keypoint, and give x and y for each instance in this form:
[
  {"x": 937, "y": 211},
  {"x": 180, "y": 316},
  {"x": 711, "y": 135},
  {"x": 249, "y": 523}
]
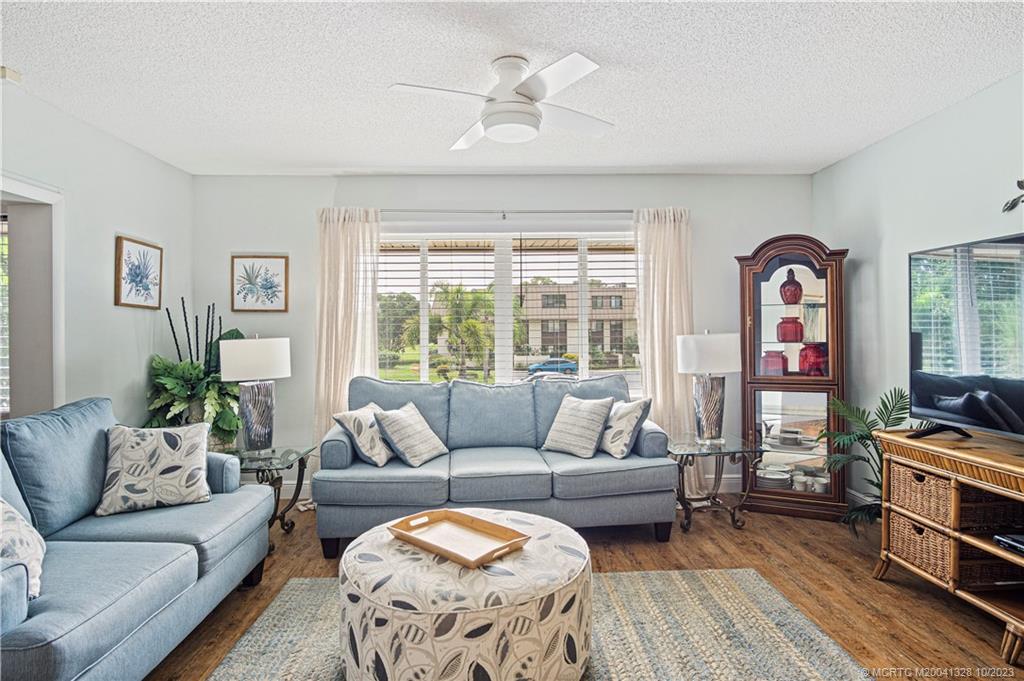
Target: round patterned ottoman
[{"x": 410, "y": 615}]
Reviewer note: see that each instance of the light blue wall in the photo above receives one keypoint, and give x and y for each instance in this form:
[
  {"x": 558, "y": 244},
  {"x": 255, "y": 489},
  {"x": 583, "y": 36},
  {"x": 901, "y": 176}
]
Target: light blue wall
[{"x": 939, "y": 182}]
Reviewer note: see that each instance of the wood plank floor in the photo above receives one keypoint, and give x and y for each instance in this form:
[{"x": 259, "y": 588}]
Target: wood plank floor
[{"x": 819, "y": 566}]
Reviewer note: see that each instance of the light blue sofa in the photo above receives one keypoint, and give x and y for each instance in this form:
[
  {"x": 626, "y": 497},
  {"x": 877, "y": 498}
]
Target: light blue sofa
[
  {"x": 494, "y": 434},
  {"x": 118, "y": 592}
]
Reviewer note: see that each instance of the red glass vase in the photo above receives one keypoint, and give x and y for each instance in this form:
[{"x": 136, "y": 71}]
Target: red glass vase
[
  {"x": 791, "y": 290},
  {"x": 774, "y": 363},
  {"x": 790, "y": 330},
  {"x": 814, "y": 359}
]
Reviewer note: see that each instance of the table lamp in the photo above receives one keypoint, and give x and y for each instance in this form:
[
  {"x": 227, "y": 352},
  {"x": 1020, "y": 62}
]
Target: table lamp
[
  {"x": 253, "y": 362},
  {"x": 707, "y": 356}
]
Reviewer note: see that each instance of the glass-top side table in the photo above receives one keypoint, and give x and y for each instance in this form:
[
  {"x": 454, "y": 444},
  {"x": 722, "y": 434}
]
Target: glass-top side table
[
  {"x": 686, "y": 450},
  {"x": 268, "y": 464}
]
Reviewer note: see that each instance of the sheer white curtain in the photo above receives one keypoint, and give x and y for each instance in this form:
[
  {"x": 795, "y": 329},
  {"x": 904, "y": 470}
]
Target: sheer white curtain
[
  {"x": 346, "y": 340},
  {"x": 664, "y": 311}
]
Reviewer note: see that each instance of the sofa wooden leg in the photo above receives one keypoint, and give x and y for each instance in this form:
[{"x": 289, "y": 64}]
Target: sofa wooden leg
[
  {"x": 330, "y": 547},
  {"x": 255, "y": 575},
  {"x": 663, "y": 531}
]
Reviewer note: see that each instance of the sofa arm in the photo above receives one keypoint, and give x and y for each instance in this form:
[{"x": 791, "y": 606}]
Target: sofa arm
[
  {"x": 223, "y": 472},
  {"x": 651, "y": 441},
  {"x": 336, "y": 449},
  {"x": 13, "y": 593}
]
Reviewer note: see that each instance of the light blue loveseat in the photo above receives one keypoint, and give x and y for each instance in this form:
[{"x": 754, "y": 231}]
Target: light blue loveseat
[
  {"x": 118, "y": 592},
  {"x": 494, "y": 434}
]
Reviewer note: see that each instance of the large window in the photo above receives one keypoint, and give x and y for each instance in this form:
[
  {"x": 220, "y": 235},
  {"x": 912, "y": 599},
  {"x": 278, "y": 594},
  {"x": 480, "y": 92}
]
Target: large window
[{"x": 489, "y": 309}]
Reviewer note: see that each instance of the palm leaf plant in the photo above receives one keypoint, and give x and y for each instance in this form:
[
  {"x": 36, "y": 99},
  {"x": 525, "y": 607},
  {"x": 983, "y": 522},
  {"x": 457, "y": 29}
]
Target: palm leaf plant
[
  {"x": 190, "y": 390},
  {"x": 857, "y": 443}
]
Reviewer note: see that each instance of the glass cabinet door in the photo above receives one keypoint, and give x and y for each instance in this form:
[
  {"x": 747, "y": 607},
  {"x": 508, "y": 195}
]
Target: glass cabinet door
[
  {"x": 787, "y": 424},
  {"x": 790, "y": 318}
]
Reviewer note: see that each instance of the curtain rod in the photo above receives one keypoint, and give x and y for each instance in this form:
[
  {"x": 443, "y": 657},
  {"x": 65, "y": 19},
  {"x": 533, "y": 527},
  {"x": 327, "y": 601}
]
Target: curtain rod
[{"x": 507, "y": 212}]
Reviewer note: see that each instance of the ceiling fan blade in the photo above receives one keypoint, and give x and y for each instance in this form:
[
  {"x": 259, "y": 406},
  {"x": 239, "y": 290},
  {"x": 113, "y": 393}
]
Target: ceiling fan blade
[
  {"x": 470, "y": 137},
  {"x": 440, "y": 92},
  {"x": 570, "y": 119},
  {"x": 556, "y": 77}
]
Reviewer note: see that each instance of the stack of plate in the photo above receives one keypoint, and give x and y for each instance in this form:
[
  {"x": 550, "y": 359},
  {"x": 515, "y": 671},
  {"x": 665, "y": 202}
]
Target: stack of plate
[{"x": 774, "y": 479}]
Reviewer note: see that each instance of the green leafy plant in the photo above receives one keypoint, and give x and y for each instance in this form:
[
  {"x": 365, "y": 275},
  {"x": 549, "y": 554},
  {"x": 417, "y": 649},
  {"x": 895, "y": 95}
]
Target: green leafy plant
[
  {"x": 183, "y": 392},
  {"x": 858, "y": 443},
  {"x": 190, "y": 391}
]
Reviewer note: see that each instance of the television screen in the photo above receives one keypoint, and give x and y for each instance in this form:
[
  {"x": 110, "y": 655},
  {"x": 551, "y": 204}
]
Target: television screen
[{"x": 967, "y": 335}]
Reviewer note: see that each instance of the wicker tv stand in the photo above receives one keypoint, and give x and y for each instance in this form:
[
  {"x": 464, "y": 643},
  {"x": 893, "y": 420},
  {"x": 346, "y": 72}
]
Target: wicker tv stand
[{"x": 943, "y": 498}]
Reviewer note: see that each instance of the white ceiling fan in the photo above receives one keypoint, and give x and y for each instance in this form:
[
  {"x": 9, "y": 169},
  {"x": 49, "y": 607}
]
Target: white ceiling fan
[{"x": 515, "y": 107}]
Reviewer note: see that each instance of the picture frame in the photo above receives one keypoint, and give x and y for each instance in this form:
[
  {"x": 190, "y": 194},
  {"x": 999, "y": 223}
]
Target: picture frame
[
  {"x": 138, "y": 273},
  {"x": 259, "y": 283}
]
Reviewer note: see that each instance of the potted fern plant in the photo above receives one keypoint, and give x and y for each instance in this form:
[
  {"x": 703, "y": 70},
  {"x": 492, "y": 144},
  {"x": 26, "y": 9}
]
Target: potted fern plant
[
  {"x": 190, "y": 390},
  {"x": 858, "y": 443}
]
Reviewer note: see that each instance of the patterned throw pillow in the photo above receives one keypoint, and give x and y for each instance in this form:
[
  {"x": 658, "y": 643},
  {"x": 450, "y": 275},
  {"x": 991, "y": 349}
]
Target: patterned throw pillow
[
  {"x": 21, "y": 542},
  {"x": 578, "y": 426},
  {"x": 410, "y": 435},
  {"x": 151, "y": 467},
  {"x": 623, "y": 426},
  {"x": 361, "y": 426}
]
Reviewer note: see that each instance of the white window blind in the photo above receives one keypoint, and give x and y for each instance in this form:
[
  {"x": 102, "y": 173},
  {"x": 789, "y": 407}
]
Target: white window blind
[
  {"x": 967, "y": 309},
  {"x": 497, "y": 308}
]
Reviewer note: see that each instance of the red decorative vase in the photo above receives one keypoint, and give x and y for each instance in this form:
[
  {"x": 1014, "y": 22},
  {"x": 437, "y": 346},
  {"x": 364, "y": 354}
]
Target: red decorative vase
[
  {"x": 790, "y": 330},
  {"x": 791, "y": 290},
  {"x": 774, "y": 363},
  {"x": 814, "y": 359}
]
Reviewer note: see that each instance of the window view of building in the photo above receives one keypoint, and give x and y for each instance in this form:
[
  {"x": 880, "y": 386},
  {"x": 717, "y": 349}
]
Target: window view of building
[{"x": 498, "y": 310}]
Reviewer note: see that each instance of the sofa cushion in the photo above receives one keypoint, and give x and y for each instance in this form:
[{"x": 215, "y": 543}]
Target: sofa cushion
[
  {"x": 21, "y": 542},
  {"x": 624, "y": 424},
  {"x": 59, "y": 458},
  {"x": 395, "y": 484},
  {"x": 9, "y": 490},
  {"x": 94, "y": 595},
  {"x": 547, "y": 397},
  {"x": 604, "y": 475},
  {"x": 430, "y": 398},
  {"x": 480, "y": 474},
  {"x": 491, "y": 415},
  {"x": 154, "y": 467},
  {"x": 409, "y": 435},
  {"x": 365, "y": 436},
  {"x": 214, "y": 528}
]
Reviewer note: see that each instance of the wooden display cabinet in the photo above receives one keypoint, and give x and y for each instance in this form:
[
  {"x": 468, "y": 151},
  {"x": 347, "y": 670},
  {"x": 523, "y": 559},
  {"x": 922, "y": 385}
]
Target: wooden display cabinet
[{"x": 791, "y": 306}]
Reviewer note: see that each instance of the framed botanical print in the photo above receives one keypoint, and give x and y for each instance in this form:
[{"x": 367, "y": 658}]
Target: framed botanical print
[
  {"x": 259, "y": 283},
  {"x": 138, "y": 273}
]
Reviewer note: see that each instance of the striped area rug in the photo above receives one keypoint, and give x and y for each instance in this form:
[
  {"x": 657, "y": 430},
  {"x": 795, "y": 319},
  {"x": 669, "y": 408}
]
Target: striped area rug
[{"x": 704, "y": 625}]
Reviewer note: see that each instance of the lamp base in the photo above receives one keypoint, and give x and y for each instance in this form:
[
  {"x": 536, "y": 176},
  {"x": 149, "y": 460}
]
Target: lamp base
[
  {"x": 709, "y": 405},
  {"x": 256, "y": 408}
]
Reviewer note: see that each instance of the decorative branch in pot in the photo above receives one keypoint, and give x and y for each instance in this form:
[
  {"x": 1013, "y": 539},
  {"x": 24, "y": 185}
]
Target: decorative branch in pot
[
  {"x": 190, "y": 390},
  {"x": 858, "y": 443},
  {"x": 1015, "y": 201}
]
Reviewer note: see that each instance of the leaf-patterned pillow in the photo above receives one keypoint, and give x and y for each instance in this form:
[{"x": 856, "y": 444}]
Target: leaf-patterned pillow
[
  {"x": 21, "y": 542},
  {"x": 153, "y": 467},
  {"x": 623, "y": 426},
  {"x": 361, "y": 426}
]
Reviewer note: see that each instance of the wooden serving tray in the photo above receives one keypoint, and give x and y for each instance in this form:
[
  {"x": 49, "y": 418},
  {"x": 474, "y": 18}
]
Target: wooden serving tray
[{"x": 459, "y": 537}]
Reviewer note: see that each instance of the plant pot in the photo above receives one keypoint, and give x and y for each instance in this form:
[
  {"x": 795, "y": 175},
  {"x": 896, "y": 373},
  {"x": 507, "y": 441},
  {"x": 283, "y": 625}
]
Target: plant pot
[{"x": 790, "y": 330}]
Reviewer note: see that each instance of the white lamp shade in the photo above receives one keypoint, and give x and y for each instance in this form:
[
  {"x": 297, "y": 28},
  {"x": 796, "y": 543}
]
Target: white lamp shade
[
  {"x": 251, "y": 359},
  {"x": 708, "y": 353}
]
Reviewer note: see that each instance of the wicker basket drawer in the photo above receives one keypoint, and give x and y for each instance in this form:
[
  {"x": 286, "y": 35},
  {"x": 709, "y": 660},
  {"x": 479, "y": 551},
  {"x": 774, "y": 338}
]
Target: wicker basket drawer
[
  {"x": 929, "y": 496},
  {"x": 920, "y": 546}
]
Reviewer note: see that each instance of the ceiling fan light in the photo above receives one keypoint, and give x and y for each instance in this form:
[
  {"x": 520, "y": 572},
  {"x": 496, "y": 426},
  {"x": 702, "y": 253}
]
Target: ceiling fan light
[{"x": 511, "y": 127}]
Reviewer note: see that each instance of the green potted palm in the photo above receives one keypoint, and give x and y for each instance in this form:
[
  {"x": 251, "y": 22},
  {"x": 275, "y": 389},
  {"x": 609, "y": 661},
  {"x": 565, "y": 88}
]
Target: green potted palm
[
  {"x": 190, "y": 390},
  {"x": 857, "y": 443}
]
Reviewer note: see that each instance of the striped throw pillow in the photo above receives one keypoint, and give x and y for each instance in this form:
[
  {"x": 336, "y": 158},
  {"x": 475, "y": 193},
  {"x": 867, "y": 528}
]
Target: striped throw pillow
[
  {"x": 410, "y": 435},
  {"x": 578, "y": 426}
]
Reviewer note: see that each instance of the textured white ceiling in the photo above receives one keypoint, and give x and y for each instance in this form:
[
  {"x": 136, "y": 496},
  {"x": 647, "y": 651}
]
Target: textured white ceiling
[{"x": 717, "y": 87}]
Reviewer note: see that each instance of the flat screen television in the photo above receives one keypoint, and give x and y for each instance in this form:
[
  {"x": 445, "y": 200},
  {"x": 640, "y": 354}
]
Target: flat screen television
[{"x": 967, "y": 336}]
